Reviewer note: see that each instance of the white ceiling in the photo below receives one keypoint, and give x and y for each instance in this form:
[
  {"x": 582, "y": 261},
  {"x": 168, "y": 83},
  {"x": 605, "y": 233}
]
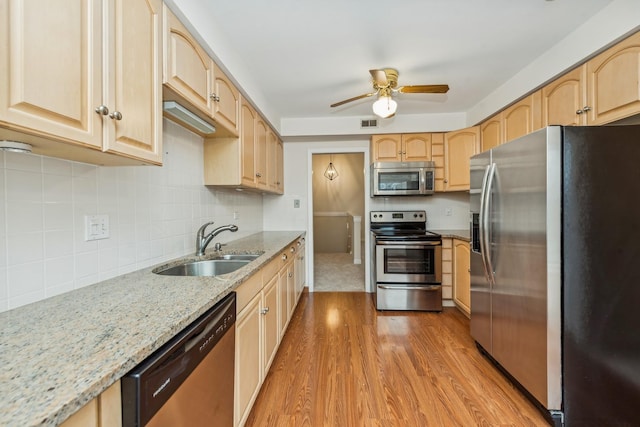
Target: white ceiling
[{"x": 303, "y": 55}]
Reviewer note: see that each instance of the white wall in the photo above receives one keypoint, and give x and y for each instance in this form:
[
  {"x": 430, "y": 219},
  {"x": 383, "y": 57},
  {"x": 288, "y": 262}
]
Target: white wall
[{"x": 154, "y": 213}]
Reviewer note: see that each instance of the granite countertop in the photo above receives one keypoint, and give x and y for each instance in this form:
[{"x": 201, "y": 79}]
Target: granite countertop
[
  {"x": 59, "y": 353},
  {"x": 462, "y": 234}
]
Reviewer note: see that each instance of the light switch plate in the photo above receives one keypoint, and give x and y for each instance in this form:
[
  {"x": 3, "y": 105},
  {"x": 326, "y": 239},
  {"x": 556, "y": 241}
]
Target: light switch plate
[{"x": 96, "y": 227}]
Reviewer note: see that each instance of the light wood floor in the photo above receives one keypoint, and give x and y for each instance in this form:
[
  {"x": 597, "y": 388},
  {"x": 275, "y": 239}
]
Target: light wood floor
[{"x": 342, "y": 363}]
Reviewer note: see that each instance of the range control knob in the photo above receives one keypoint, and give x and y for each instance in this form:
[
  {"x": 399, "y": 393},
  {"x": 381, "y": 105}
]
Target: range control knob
[
  {"x": 421, "y": 215},
  {"x": 415, "y": 215}
]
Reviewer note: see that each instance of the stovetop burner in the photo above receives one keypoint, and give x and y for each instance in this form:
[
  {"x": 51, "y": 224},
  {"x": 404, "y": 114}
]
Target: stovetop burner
[{"x": 401, "y": 226}]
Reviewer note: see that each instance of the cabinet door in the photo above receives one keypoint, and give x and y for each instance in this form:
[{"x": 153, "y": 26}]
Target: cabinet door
[
  {"x": 133, "y": 80},
  {"x": 613, "y": 79},
  {"x": 279, "y": 167},
  {"x": 522, "y": 118},
  {"x": 564, "y": 98},
  {"x": 462, "y": 275},
  {"x": 261, "y": 154},
  {"x": 247, "y": 140},
  {"x": 188, "y": 70},
  {"x": 272, "y": 161},
  {"x": 437, "y": 156},
  {"x": 226, "y": 102},
  {"x": 416, "y": 147},
  {"x": 459, "y": 146},
  {"x": 248, "y": 369},
  {"x": 300, "y": 269},
  {"x": 491, "y": 132},
  {"x": 282, "y": 292},
  {"x": 291, "y": 287},
  {"x": 51, "y": 74},
  {"x": 386, "y": 148},
  {"x": 270, "y": 319}
]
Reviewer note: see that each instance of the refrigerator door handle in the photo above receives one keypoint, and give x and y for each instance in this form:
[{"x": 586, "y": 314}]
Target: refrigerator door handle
[
  {"x": 485, "y": 207},
  {"x": 483, "y": 195}
]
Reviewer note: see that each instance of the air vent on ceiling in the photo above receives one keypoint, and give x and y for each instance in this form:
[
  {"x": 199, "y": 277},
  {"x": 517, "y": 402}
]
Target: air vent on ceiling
[{"x": 369, "y": 123}]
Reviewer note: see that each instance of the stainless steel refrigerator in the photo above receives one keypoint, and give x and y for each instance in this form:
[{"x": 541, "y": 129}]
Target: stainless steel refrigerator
[{"x": 555, "y": 269}]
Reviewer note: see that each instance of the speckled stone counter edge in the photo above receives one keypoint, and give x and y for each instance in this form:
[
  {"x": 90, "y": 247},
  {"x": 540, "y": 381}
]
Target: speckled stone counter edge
[{"x": 59, "y": 353}]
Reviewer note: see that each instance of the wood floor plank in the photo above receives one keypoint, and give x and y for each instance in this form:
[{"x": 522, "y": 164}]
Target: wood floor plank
[{"x": 342, "y": 363}]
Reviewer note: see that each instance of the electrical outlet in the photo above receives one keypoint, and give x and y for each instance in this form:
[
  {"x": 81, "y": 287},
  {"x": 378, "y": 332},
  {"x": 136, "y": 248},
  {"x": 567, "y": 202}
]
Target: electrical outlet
[
  {"x": 448, "y": 211},
  {"x": 296, "y": 203},
  {"x": 96, "y": 227}
]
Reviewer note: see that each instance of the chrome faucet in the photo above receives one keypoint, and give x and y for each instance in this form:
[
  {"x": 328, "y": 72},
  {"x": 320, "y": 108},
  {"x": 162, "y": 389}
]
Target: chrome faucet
[{"x": 203, "y": 241}]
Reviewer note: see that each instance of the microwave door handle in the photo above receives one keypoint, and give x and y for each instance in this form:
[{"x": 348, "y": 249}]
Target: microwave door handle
[{"x": 423, "y": 181}]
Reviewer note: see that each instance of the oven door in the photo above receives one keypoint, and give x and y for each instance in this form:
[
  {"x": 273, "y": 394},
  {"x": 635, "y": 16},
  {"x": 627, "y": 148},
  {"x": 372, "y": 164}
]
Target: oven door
[{"x": 402, "y": 262}]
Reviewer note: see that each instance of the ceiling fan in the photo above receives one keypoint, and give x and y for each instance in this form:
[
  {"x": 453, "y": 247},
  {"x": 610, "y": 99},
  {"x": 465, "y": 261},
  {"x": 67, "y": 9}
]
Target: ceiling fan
[{"x": 385, "y": 83}]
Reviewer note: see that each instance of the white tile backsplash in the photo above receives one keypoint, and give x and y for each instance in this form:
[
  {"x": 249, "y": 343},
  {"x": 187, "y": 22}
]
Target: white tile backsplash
[{"x": 154, "y": 213}]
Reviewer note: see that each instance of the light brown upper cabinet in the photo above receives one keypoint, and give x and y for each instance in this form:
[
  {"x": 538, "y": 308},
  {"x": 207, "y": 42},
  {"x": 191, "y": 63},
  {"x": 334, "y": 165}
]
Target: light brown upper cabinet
[
  {"x": 192, "y": 78},
  {"x": 76, "y": 79},
  {"x": 279, "y": 153},
  {"x": 522, "y": 118},
  {"x": 274, "y": 162},
  {"x": 459, "y": 146},
  {"x": 261, "y": 163},
  {"x": 226, "y": 102},
  {"x": 252, "y": 161},
  {"x": 613, "y": 83},
  {"x": 491, "y": 132},
  {"x": 247, "y": 141},
  {"x": 188, "y": 69},
  {"x": 410, "y": 147},
  {"x": 564, "y": 98}
]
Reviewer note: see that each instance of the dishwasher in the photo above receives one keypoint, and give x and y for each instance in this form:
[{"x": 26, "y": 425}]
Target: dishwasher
[{"x": 189, "y": 380}]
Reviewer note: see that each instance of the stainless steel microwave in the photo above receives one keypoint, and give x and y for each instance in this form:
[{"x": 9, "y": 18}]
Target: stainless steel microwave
[{"x": 402, "y": 178}]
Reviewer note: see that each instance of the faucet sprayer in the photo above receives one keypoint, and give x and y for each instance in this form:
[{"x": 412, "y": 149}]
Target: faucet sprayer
[{"x": 203, "y": 241}]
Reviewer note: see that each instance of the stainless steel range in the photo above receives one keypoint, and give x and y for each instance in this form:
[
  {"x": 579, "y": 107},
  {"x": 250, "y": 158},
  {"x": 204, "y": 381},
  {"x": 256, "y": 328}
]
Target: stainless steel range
[{"x": 407, "y": 262}]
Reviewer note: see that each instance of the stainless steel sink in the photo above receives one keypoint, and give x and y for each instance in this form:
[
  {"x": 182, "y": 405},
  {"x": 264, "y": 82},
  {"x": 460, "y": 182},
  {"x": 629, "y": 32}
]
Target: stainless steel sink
[
  {"x": 249, "y": 257},
  {"x": 210, "y": 267}
]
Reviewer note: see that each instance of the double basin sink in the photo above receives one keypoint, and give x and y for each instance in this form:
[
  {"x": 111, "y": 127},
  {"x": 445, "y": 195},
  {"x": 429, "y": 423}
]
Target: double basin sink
[{"x": 209, "y": 267}]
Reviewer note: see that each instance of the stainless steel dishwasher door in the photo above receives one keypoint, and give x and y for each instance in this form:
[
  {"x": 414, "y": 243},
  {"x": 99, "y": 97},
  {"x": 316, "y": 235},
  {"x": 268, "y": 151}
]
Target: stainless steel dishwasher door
[
  {"x": 189, "y": 381},
  {"x": 205, "y": 398}
]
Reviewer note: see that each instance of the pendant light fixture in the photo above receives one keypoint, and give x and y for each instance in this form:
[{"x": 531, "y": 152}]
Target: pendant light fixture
[{"x": 330, "y": 172}]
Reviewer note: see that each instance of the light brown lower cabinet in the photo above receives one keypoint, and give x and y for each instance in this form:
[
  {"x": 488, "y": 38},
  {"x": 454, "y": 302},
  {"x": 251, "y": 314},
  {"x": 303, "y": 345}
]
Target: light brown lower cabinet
[
  {"x": 462, "y": 275},
  {"x": 265, "y": 304},
  {"x": 103, "y": 411}
]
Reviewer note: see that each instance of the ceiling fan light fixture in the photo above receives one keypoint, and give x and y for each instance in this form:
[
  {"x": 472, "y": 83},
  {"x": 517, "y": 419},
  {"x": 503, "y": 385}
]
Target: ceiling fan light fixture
[{"x": 384, "y": 106}]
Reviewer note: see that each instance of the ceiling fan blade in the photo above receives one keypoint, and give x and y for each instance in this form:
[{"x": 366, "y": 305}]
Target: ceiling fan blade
[
  {"x": 379, "y": 78},
  {"x": 355, "y": 98},
  {"x": 424, "y": 89}
]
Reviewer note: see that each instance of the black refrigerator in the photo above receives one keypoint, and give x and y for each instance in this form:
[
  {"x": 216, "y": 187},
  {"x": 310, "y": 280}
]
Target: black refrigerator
[{"x": 555, "y": 283}]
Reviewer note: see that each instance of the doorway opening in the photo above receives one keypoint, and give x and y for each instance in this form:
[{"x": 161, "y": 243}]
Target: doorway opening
[{"x": 338, "y": 221}]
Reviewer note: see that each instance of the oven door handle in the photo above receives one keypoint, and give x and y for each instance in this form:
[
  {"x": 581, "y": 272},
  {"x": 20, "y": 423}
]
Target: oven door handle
[
  {"x": 411, "y": 244},
  {"x": 411, "y": 288}
]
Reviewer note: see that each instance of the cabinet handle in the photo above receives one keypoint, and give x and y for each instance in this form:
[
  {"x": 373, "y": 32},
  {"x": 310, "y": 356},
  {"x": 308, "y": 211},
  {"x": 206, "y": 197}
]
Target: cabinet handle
[
  {"x": 284, "y": 257},
  {"x": 116, "y": 115},
  {"x": 292, "y": 249},
  {"x": 259, "y": 175},
  {"x": 214, "y": 97},
  {"x": 445, "y": 181},
  {"x": 586, "y": 108},
  {"x": 290, "y": 274},
  {"x": 102, "y": 110},
  {"x": 264, "y": 310},
  {"x": 578, "y": 112}
]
